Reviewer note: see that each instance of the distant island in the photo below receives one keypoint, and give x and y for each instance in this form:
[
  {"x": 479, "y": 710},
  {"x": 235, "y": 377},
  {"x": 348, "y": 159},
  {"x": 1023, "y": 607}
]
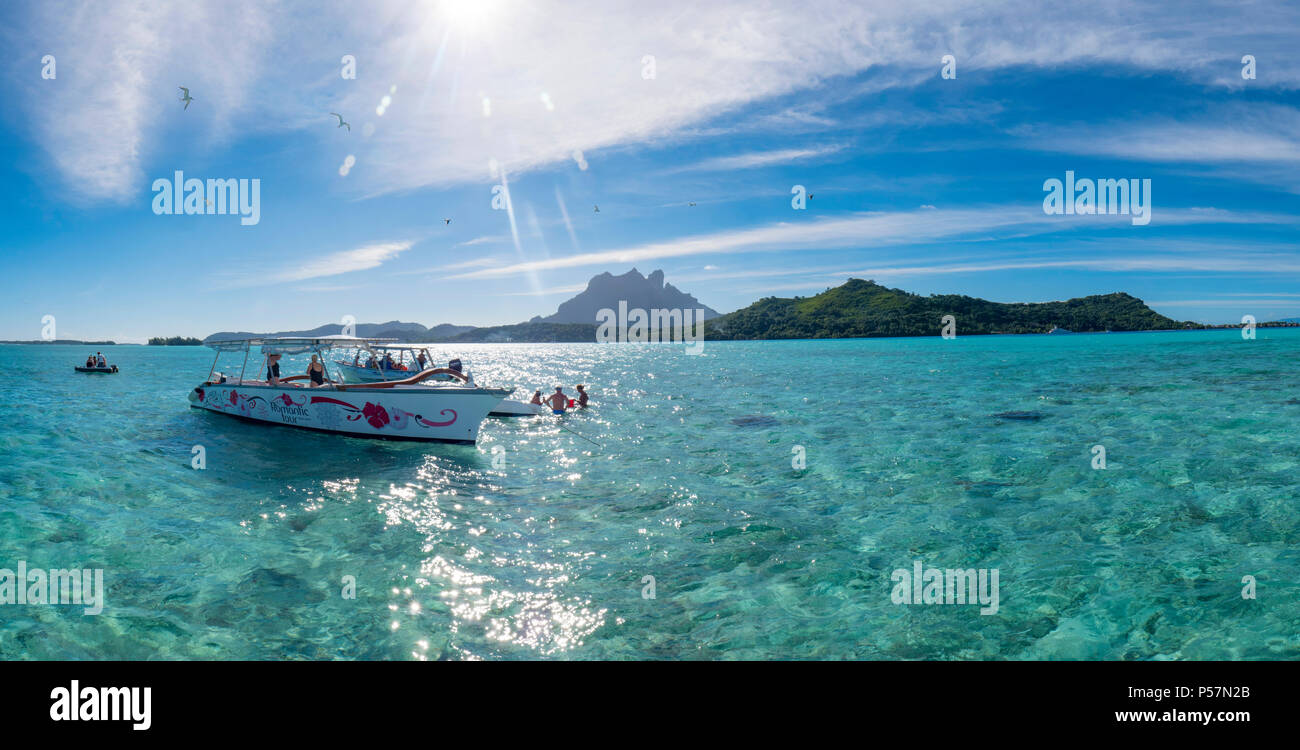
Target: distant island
[
  {"x": 856, "y": 309},
  {"x": 411, "y": 333},
  {"x": 175, "y": 341},
  {"x": 865, "y": 309}
]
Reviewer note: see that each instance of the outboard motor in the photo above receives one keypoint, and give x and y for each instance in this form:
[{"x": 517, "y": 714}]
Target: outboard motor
[{"x": 454, "y": 365}]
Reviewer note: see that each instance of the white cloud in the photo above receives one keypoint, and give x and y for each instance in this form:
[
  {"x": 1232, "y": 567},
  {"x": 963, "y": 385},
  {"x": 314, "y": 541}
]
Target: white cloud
[
  {"x": 334, "y": 264},
  {"x": 868, "y": 231},
  {"x": 570, "y": 289},
  {"x": 1244, "y": 305},
  {"x": 755, "y": 159},
  {"x": 1232, "y": 134},
  {"x": 253, "y": 67},
  {"x": 119, "y": 69}
]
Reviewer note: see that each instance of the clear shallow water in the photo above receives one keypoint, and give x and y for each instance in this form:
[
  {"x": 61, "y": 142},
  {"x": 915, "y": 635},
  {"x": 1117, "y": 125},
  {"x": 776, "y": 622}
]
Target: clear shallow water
[{"x": 544, "y": 558}]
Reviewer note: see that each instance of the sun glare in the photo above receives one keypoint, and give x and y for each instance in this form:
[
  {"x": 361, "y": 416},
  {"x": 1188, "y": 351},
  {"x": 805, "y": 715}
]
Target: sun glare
[{"x": 471, "y": 16}]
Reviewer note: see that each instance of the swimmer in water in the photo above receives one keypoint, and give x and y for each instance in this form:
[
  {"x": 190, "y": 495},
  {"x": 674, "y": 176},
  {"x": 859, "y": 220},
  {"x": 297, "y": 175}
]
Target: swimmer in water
[
  {"x": 582, "y": 397},
  {"x": 557, "y": 401}
]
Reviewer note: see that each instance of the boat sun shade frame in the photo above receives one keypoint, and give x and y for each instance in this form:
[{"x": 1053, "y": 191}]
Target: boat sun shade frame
[
  {"x": 287, "y": 345},
  {"x": 377, "y": 349}
]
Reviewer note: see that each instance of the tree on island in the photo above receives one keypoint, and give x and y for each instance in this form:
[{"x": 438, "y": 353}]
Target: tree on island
[{"x": 174, "y": 341}]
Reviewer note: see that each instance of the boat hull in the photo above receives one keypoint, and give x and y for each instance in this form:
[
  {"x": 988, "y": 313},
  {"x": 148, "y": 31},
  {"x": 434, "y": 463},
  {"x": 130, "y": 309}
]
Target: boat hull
[
  {"x": 419, "y": 413},
  {"x": 103, "y": 370},
  {"x": 508, "y": 408}
]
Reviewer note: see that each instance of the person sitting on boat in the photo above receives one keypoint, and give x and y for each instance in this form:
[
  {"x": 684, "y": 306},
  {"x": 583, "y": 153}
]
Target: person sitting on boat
[
  {"x": 582, "y": 397},
  {"x": 372, "y": 363},
  {"x": 273, "y": 369},
  {"x": 537, "y": 397},
  {"x": 388, "y": 361},
  {"x": 316, "y": 371},
  {"x": 90, "y": 360},
  {"x": 557, "y": 401}
]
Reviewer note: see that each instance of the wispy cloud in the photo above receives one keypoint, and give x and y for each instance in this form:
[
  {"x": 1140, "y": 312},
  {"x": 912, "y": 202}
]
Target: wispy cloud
[
  {"x": 1245, "y": 305},
  {"x": 1240, "y": 264},
  {"x": 868, "y": 230},
  {"x": 570, "y": 289},
  {"x": 1259, "y": 133},
  {"x": 119, "y": 70},
  {"x": 484, "y": 240},
  {"x": 334, "y": 264},
  {"x": 755, "y": 159},
  {"x": 118, "y": 78}
]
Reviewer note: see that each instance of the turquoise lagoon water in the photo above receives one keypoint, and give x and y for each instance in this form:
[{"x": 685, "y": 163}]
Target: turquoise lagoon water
[{"x": 546, "y": 556}]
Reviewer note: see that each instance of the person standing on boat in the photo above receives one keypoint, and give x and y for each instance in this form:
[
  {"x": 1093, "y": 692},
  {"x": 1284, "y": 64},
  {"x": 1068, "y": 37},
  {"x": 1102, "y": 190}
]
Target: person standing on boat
[
  {"x": 316, "y": 371},
  {"x": 273, "y": 369},
  {"x": 422, "y": 360},
  {"x": 582, "y": 397},
  {"x": 99, "y": 358}
]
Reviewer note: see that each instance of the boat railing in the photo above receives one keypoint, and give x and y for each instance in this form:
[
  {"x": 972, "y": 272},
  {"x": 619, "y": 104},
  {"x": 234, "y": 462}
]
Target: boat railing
[{"x": 424, "y": 375}]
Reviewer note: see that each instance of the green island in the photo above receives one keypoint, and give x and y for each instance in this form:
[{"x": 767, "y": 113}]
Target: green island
[
  {"x": 175, "y": 341},
  {"x": 864, "y": 309},
  {"x": 855, "y": 309}
]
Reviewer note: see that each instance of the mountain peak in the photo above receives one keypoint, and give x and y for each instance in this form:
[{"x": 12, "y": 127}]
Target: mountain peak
[{"x": 606, "y": 291}]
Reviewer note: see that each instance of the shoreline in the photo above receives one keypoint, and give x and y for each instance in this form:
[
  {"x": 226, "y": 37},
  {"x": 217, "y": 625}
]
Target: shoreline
[{"x": 1224, "y": 327}]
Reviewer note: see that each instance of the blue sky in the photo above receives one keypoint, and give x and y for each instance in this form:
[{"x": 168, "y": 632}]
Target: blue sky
[{"x": 929, "y": 184}]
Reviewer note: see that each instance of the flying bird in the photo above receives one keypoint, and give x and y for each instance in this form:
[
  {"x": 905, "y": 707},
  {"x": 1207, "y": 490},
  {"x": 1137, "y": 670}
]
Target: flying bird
[
  {"x": 447, "y": 220},
  {"x": 187, "y": 98},
  {"x": 692, "y": 203},
  {"x": 597, "y": 208},
  {"x": 341, "y": 123},
  {"x": 810, "y": 196}
]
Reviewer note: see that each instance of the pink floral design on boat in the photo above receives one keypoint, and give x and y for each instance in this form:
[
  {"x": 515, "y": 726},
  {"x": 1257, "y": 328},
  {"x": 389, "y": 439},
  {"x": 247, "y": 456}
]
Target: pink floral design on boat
[{"x": 379, "y": 416}]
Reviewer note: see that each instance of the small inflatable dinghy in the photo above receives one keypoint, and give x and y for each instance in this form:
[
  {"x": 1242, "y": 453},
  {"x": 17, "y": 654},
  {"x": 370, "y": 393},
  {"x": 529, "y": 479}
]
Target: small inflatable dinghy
[{"x": 107, "y": 370}]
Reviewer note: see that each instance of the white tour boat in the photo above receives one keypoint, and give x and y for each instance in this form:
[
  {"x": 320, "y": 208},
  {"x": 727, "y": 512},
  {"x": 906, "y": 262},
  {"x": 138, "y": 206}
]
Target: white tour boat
[
  {"x": 406, "y": 409},
  {"x": 378, "y": 363},
  {"x": 374, "y": 362}
]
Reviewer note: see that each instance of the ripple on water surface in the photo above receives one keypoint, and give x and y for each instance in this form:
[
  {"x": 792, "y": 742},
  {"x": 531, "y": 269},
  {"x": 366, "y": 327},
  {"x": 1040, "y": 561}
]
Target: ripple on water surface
[{"x": 974, "y": 453}]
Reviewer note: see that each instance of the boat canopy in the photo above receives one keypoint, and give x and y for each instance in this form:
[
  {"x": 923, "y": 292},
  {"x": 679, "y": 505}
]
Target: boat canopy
[{"x": 292, "y": 344}]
